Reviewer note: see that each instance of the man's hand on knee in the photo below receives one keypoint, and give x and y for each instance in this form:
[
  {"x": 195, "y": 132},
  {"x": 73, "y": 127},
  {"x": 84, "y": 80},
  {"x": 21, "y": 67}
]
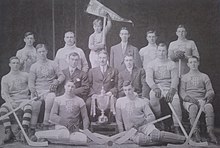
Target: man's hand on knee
[
  {"x": 209, "y": 99},
  {"x": 157, "y": 92},
  {"x": 54, "y": 85},
  {"x": 14, "y": 104},
  {"x": 170, "y": 94}
]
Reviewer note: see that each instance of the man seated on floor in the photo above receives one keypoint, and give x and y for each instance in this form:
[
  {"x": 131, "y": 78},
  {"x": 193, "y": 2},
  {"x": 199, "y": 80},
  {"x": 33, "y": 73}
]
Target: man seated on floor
[
  {"x": 132, "y": 111},
  {"x": 79, "y": 77},
  {"x": 103, "y": 80},
  {"x": 196, "y": 88},
  {"x": 136, "y": 75},
  {"x": 163, "y": 80},
  {"x": 66, "y": 112},
  {"x": 14, "y": 90}
]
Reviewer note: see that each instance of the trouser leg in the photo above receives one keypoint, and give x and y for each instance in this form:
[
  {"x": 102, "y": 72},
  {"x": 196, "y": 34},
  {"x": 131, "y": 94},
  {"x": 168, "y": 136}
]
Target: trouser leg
[
  {"x": 60, "y": 133},
  {"x": 176, "y": 105},
  {"x": 78, "y": 138},
  {"x": 209, "y": 115},
  {"x": 193, "y": 111},
  {"x": 36, "y": 105},
  {"x": 168, "y": 137},
  {"x": 158, "y": 137},
  {"x": 49, "y": 99},
  {"x": 155, "y": 104}
]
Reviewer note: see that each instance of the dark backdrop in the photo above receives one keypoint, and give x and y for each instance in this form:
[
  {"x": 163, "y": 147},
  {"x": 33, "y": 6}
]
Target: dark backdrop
[{"x": 201, "y": 17}]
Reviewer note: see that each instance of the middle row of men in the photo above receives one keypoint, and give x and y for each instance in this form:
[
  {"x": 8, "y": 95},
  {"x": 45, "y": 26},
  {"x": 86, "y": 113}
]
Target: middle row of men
[{"x": 45, "y": 77}]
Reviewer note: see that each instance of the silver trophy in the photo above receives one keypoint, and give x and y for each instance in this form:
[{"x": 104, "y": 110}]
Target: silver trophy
[{"x": 103, "y": 103}]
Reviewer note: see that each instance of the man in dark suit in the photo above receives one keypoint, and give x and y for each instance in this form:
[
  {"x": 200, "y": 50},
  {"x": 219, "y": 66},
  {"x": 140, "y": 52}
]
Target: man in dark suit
[
  {"x": 120, "y": 50},
  {"x": 137, "y": 77},
  {"x": 77, "y": 76},
  {"x": 102, "y": 78}
]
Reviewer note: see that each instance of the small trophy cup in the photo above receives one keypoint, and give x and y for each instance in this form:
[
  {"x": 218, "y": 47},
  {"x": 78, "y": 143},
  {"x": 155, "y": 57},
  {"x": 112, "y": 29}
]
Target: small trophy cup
[{"x": 103, "y": 103}]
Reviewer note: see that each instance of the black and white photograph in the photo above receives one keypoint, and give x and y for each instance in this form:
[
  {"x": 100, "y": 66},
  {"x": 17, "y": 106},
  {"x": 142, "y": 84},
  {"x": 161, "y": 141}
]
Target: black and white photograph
[{"x": 110, "y": 73}]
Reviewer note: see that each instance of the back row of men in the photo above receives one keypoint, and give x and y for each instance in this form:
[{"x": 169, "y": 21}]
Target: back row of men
[{"x": 157, "y": 79}]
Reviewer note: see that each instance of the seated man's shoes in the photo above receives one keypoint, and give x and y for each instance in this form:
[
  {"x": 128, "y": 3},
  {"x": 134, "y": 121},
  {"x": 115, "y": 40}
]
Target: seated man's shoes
[
  {"x": 9, "y": 136},
  {"x": 212, "y": 137},
  {"x": 196, "y": 136}
]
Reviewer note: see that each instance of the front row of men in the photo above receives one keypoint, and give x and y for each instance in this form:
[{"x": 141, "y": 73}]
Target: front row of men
[{"x": 46, "y": 81}]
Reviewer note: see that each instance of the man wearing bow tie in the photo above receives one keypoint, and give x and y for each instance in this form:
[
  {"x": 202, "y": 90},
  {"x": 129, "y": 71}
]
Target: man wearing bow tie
[
  {"x": 104, "y": 77},
  {"x": 78, "y": 77}
]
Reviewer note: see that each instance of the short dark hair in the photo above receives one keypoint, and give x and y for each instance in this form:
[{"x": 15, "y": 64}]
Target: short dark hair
[
  {"x": 181, "y": 26},
  {"x": 129, "y": 54},
  {"x": 28, "y": 33},
  {"x": 75, "y": 54},
  {"x": 193, "y": 57},
  {"x": 70, "y": 80},
  {"x": 41, "y": 46},
  {"x": 151, "y": 31},
  {"x": 12, "y": 58},
  {"x": 127, "y": 83},
  {"x": 104, "y": 52},
  {"x": 124, "y": 28},
  {"x": 69, "y": 31},
  {"x": 161, "y": 44},
  {"x": 97, "y": 21}
]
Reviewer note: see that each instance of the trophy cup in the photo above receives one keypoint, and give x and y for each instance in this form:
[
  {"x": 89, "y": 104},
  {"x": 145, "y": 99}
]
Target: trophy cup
[{"x": 102, "y": 103}]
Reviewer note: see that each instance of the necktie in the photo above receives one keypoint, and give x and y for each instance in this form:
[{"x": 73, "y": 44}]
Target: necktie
[
  {"x": 102, "y": 69},
  {"x": 123, "y": 48}
]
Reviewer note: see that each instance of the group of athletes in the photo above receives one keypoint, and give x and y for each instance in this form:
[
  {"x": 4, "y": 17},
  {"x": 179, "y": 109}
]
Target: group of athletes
[{"x": 135, "y": 81}]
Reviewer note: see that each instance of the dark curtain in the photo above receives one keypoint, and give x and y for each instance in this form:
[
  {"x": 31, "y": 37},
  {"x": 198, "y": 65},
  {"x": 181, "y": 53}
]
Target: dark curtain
[{"x": 201, "y": 17}]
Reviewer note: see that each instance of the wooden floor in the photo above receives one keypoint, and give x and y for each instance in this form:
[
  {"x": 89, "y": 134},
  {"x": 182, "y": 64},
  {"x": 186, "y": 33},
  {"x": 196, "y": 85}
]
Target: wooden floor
[{"x": 90, "y": 145}]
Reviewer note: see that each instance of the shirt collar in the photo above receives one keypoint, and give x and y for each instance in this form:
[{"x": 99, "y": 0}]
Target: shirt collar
[
  {"x": 67, "y": 46},
  {"x": 152, "y": 45},
  {"x": 104, "y": 68},
  {"x": 124, "y": 43},
  {"x": 130, "y": 69}
]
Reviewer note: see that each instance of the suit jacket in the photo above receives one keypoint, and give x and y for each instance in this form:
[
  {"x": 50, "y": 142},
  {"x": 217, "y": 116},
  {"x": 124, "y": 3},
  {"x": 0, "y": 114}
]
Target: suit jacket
[
  {"x": 80, "y": 80},
  {"x": 117, "y": 56},
  {"x": 138, "y": 80},
  {"x": 109, "y": 80}
]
